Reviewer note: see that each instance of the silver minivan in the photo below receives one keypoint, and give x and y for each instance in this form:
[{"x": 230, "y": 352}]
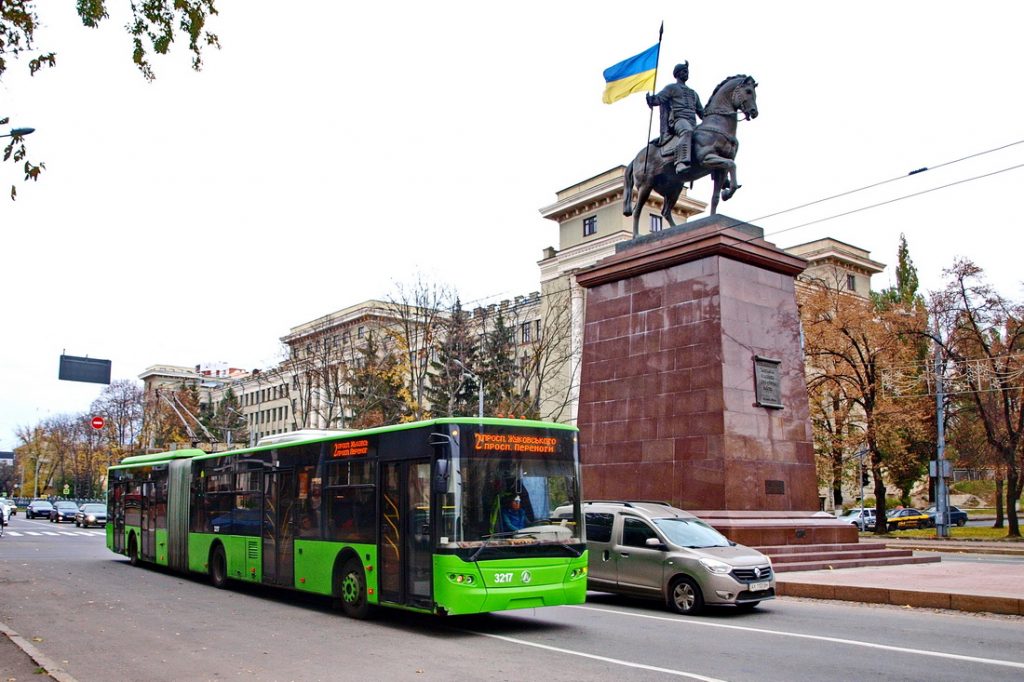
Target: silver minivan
[{"x": 651, "y": 549}]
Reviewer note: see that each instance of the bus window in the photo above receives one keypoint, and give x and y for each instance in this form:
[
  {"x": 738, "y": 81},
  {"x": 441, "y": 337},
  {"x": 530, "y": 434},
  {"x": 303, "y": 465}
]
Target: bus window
[
  {"x": 350, "y": 514},
  {"x": 307, "y": 506}
]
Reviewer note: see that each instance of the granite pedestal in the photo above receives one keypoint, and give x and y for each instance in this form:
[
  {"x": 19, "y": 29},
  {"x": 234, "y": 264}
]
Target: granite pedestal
[{"x": 692, "y": 383}]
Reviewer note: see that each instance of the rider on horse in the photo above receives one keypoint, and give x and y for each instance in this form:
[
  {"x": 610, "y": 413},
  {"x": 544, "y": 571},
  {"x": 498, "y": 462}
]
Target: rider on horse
[{"x": 680, "y": 107}]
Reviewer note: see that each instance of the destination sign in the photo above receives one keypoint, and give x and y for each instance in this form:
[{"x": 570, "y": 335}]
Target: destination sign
[
  {"x": 510, "y": 442},
  {"x": 351, "y": 448}
]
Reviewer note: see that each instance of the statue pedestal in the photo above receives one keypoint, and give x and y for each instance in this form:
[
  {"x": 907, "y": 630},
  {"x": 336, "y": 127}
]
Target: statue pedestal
[{"x": 692, "y": 382}]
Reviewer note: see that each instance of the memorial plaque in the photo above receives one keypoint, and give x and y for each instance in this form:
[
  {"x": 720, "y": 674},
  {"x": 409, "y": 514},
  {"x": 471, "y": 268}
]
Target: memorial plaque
[{"x": 767, "y": 382}]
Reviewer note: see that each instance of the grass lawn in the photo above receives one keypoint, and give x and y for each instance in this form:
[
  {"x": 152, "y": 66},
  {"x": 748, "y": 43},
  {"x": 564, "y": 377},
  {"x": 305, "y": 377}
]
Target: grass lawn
[{"x": 956, "y": 533}]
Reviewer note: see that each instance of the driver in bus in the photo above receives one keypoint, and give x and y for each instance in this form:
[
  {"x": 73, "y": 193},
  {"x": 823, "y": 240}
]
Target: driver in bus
[{"x": 512, "y": 515}]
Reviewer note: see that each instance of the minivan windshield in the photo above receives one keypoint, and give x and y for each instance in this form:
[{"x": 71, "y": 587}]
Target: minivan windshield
[{"x": 691, "y": 533}]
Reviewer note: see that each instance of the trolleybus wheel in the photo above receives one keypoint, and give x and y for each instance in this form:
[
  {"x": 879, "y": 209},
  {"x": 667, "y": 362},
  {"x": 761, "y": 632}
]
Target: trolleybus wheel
[
  {"x": 684, "y": 596},
  {"x": 133, "y": 551},
  {"x": 353, "y": 590},
  {"x": 218, "y": 568}
]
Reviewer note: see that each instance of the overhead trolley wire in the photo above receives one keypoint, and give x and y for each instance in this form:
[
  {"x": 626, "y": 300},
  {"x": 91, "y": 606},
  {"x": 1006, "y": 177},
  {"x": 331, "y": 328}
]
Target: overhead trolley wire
[{"x": 855, "y": 191}]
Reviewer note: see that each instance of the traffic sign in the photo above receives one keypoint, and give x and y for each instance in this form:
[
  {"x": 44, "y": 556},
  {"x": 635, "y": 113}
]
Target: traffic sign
[{"x": 97, "y": 422}]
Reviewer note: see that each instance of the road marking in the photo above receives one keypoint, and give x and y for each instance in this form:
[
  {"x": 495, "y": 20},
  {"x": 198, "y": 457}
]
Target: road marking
[
  {"x": 818, "y": 638},
  {"x": 606, "y": 659},
  {"x": 77, "y": 533}
]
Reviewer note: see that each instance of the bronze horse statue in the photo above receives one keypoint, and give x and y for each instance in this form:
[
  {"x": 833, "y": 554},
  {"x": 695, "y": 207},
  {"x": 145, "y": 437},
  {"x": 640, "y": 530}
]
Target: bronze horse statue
[{"x": 714, "y": 148}]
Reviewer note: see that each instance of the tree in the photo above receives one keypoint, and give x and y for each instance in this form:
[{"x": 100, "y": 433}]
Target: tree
[
  {"x": 228, "y": 421},
  {"x": 378, "y": 393},
  {"x": 154, "y": 25},
  {"x": 121, "y": 405},
  {"x": 319, "y": 355},
  {"x": 982, "y": 334},
  {"x": 834, "y": 427},
  {"x": 171, "y": 417},
  {"x": 453, "y": 391},
  {"x": 420, "y": 312},
  {"x": 850, "y": 343},
  {"x": 498, "y": 366}
]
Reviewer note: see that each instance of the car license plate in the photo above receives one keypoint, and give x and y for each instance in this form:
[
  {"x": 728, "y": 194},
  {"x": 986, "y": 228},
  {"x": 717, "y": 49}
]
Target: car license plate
[{"x": 757, "y": 587}]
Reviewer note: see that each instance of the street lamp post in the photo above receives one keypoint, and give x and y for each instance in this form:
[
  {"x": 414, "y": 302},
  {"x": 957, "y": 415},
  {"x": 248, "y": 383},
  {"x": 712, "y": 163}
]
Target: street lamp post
[
  {"x": 860, "y": 457},
  {"x": 940, "y": 464},
  {"x": 19, "y": 132},
  {"x": 479, "y": 382},
  {"x": 35, "y": 481}
]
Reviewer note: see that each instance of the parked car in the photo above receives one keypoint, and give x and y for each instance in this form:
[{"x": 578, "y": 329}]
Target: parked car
[
  {"x": 863, "y": 522},
  {"x": 654, "y": 550},
  {"x": 63, "y": 511},
  {"x": 957, "y": 516},
  {"x": 91, "y": 514},
  {"x": 900, "y": 519},
  {"x": 37, "y": 508}
]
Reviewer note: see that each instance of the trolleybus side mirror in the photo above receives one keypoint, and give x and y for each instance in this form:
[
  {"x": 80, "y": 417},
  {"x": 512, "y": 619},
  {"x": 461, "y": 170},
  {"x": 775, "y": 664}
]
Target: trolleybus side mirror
[{"x": 441, "y": 476}]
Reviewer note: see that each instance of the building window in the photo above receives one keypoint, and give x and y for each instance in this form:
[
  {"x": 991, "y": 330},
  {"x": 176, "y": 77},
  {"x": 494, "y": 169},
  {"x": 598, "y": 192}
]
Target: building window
[
  {"x": 590, "y": 226},
  {"x": 526, "y": 332},
  {"x": 655, "y": 223},
  {"x": 851, "y": 283},
  {"x": 360, "y": 332}
]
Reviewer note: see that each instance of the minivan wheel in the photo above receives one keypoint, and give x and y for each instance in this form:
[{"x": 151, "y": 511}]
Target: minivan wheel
[{"x": 684, "y": 596}]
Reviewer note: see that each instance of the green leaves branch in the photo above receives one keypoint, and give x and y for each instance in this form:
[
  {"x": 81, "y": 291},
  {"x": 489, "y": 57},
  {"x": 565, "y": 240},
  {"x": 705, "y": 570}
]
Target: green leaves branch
[{"x": 154, "y": 25}]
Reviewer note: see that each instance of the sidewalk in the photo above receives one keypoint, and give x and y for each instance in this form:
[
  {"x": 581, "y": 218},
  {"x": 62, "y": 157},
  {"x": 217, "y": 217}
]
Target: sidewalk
[
  {"x": 20, "y": 661},
  {"x": 962, "y": 586}
]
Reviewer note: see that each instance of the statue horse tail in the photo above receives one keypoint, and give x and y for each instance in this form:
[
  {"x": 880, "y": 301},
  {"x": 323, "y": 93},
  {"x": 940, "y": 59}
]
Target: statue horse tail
[{"x": 627, "y": 195}]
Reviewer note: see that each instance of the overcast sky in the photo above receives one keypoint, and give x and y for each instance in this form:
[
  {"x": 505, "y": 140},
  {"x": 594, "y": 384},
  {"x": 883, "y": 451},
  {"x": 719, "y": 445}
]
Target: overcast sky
[{"x": 331, "y": 149}]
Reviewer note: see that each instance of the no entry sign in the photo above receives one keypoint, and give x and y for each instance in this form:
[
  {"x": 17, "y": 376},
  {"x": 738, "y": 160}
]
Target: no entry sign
[{"x": 97, "y": 422}]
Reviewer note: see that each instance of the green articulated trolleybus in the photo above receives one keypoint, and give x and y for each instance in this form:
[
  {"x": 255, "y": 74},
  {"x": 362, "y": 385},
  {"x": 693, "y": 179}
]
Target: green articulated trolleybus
[{"x": 447, "y": 516}]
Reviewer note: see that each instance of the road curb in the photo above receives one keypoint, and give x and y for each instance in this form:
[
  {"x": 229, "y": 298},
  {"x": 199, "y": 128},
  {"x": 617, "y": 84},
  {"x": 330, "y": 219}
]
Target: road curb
[
  {"x": 896, "y": 597},
  {"x": 55, "y": 671}
]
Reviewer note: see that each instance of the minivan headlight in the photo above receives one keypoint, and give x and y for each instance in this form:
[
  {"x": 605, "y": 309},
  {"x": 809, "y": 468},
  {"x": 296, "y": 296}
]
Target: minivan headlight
[{"x": 715, "y": 566}]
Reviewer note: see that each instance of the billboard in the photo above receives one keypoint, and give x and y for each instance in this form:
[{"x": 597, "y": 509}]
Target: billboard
[{"x": 92, "y": 370}]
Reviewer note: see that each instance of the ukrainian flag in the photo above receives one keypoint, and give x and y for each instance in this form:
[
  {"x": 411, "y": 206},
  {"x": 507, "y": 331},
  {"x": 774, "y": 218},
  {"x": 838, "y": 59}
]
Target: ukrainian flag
[{"x": 635, "y": 74}]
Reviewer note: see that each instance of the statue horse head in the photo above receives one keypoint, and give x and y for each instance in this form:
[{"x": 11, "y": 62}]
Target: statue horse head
[
  {"x": 714, "y": 150},
  {"x": 736, "y": 93}
]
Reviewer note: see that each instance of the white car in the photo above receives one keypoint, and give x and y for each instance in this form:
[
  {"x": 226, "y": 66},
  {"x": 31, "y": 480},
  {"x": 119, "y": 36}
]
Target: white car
[{"x": 7, "y": 508}]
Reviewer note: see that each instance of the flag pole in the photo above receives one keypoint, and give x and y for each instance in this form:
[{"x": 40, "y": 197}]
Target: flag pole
[{"x": 654, "y": 87}]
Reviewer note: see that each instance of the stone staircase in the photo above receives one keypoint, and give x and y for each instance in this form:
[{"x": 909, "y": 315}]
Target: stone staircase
[{"x": 786, "y": 558}]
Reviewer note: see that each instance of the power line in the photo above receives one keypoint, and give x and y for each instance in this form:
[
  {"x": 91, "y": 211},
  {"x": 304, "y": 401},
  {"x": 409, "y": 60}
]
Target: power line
[{"x": 844, "y": 194}]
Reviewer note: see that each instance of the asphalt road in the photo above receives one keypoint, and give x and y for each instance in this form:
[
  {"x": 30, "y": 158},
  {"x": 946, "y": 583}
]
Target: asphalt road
[{"x": 102, "y": 619}]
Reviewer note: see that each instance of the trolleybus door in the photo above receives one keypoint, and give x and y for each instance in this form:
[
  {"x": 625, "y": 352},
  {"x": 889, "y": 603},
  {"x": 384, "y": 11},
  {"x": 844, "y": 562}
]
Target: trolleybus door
[
  {"x": 278, "y": 529},
  {"x": 406, "y": 552},
  {"x": 148, "y": 528},
  {"x": 115, "y": 508}
]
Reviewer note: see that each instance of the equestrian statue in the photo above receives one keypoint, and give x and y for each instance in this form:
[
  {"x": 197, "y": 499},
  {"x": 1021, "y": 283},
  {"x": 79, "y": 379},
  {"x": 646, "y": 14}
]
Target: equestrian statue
[{"x": 684, "y": 151}]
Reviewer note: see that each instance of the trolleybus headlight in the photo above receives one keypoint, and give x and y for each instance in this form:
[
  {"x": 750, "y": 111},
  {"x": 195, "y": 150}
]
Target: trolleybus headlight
[{"x": 577, "y": 573}]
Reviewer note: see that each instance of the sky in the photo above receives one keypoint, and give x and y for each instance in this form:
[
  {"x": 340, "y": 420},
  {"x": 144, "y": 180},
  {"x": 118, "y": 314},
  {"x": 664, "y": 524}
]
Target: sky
[{"x": 329, "y": 151}]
